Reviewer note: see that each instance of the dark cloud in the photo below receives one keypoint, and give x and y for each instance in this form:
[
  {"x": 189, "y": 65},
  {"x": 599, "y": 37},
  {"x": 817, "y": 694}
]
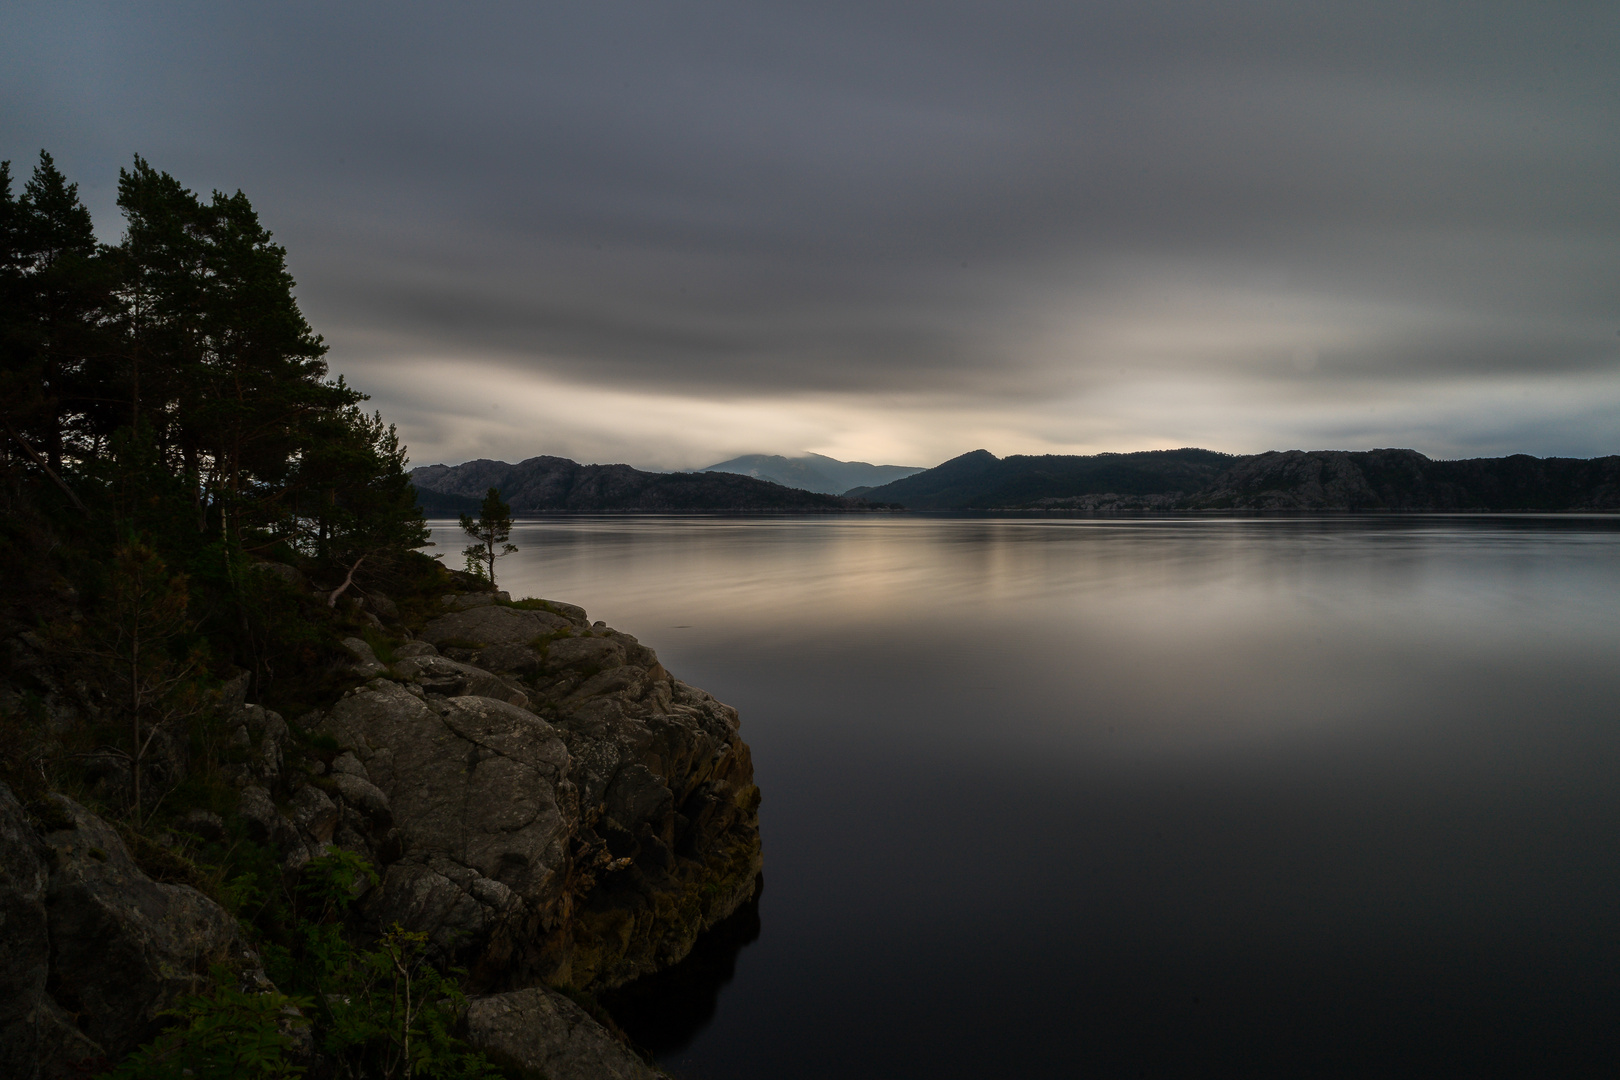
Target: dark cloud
[{"x": 1005, "y": 203}]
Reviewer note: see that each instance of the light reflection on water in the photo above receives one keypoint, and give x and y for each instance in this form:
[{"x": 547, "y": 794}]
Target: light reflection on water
[{"x": 1195, "y": 796}]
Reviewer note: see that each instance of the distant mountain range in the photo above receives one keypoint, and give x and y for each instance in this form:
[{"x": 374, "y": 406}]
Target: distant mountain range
[
  {"x": 814, "y": 472},
  {"x": 1193, "y": 479},
  {"x": 1188, "y": 479},
  {"x": 543, "y": 484}
]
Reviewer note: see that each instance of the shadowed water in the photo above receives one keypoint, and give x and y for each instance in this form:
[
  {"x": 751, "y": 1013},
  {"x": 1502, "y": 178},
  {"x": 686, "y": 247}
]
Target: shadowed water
[{"x": 1133, "y": 797}]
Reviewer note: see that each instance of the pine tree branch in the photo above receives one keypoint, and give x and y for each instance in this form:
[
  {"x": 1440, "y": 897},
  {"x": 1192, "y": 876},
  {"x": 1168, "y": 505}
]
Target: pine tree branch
[{"x": 50, "y": 472}]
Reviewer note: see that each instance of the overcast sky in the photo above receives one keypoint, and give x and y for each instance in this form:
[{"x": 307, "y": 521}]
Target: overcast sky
[{"x": 669, "y": 233}]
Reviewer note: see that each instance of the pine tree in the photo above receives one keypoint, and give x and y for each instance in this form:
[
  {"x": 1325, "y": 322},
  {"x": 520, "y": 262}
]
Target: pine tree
[
  {"x": 362, "y": 506},
  {"x": 55, "y": 283},
  {"x": 491, "y": 530}
]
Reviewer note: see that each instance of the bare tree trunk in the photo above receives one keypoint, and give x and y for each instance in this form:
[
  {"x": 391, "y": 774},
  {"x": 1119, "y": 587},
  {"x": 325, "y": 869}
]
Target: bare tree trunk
[{"x": 348, "y": 580}]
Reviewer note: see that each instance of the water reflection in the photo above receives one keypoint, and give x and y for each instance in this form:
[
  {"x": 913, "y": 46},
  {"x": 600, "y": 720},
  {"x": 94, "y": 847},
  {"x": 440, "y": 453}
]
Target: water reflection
[
  {"x": 1195, "y": 796},
  {"x": 663, "y": 1013}
]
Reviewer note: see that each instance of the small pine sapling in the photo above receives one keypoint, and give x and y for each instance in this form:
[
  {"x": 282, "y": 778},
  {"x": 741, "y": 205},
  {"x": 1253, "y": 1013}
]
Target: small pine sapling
[{"x": 490, "y": 530}]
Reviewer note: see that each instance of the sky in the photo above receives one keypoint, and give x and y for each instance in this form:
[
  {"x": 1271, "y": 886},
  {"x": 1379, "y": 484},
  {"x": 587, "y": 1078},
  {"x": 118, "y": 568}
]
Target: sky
[{"x": 670, "y": 233}]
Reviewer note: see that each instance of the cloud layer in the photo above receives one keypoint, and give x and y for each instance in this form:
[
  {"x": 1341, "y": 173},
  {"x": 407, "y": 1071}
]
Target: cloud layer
[{"x": 670, "y": 234}]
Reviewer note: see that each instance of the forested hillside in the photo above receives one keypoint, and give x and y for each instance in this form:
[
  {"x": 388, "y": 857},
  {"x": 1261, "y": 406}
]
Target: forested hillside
[
  {"x": 1278, "y": 480},
  {"x": 543, "y": 484},
  {"x": 193, "y": 512}
]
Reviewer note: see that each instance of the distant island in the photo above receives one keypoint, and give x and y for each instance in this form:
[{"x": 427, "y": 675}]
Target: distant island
[
  {"x": 551, "y": 484},
  {"x": 814, "y": 472},
  {"x": 1192, "y": 479}
]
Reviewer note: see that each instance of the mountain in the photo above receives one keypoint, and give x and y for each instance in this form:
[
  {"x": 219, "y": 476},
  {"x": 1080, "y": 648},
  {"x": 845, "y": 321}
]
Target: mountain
[
  {"x": 1407, "y": 480},
  {"x": 980, "y": 480},
  {"x": 1192, "y": 479},
  {"x": 440, "y": 504},
  {"x": 814, "y": 472},
  {"x": 551, "y": 483}
]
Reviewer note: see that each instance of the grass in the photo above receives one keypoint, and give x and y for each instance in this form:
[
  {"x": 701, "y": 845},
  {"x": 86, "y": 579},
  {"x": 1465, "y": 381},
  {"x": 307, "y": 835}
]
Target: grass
[{"x": 382, "y": 646}]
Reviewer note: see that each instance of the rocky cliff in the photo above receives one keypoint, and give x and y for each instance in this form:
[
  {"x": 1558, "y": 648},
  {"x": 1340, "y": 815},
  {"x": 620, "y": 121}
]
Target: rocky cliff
[
  {"x": 548, "y": 802},
  {"x": 542, "y": 800}
]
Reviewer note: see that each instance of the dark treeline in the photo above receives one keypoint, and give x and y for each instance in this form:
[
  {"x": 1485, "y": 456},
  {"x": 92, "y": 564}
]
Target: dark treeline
[
  {"x": 182, "y": 349},
  {"x": 166, "y": 392}
]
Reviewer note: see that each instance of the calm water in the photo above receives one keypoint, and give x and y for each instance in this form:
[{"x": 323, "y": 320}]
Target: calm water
[{"x": 1134, "y": 797}]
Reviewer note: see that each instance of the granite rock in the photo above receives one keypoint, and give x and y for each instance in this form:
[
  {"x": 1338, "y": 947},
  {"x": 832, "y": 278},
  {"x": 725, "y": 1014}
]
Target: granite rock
[
  {"x": 579, "y": 820},
  {"x": 540, "y": 1030},
  {"x": 492, "y": 625},
  {"x": 123, "y": 947}
]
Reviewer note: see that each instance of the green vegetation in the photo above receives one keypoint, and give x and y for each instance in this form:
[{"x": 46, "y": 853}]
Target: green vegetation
[{"x": 221, "y": 1035}]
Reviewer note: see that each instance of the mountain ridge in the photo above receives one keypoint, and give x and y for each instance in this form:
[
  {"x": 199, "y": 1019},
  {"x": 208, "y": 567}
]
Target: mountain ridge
[
  {"x": 1197, "y": 479},
  {"x": 551, "y": 484}
]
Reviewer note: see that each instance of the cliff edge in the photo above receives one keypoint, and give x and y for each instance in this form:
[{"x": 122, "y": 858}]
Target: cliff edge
[{"x": 543, "y": 805}]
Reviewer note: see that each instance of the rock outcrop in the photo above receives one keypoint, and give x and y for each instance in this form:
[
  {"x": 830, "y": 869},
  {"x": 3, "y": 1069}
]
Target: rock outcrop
[
  {"x": 91, "y": 948},
  {"x": 547, "y": 803},
  {"x": 539, "y": 795},
  {"x": 540, "y": 1030}
]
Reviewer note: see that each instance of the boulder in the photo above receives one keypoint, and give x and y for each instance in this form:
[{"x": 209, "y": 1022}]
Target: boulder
[
  {"x": 465, "y": 601},
  {"x": 313, "y": 813},
  {"x": 414, "y": 648},
  {"x": 264, "y": 734},
  {"x": 291, "y": 576},
  {"x": 455, "y": 679},
  {"x": 266, "y": 824},
  {"x": 363, "y": 795},
  {"x": 123, "y": 947},
  {"x": 510, "y": 658},
  {"x": 478, "y": 789},
  {"x": 366, "y": 665},
  {"x": 584, "y": 653},
  {"x": 540, "y": 1030},
  {"x": 491, "y": 625},
  {"x": 37, "y": 1037}
]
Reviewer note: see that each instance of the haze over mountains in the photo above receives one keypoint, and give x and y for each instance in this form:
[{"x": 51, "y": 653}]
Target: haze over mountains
[
  {"x": 1185, "y": 479},
  {"x": 815, "y": 472}
]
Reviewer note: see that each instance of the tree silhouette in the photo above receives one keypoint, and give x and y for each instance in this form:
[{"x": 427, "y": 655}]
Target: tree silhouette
[{"x": 490, "y": 529}]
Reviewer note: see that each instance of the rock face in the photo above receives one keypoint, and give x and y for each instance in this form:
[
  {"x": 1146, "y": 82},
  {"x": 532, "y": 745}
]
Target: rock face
[
  {"x": 123, "y": 947},
  {"x": 540, "y": 796},
  {"x": 546, "y": 801},
  {"x": 91, "y": 949},
  {"x": 37, "y": 1036},
  {"x": 541, "y": 1030}
]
